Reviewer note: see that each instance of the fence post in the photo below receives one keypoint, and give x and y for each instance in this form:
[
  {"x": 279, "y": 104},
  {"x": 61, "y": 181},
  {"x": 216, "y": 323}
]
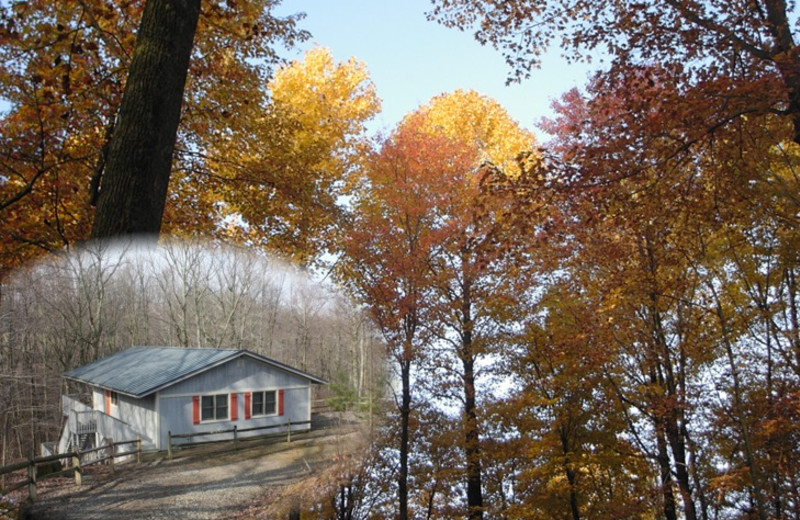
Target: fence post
[
  {"x": 32, "y": 480},
  {"x": 235, "y": 438},
  {"x": 110, "y": 443},
  {"x": 138, "y": 449},
  {"x": 288, "y": 430},
  {"x": 76, "y": 468},
  {"x": 169, "y": 445}
]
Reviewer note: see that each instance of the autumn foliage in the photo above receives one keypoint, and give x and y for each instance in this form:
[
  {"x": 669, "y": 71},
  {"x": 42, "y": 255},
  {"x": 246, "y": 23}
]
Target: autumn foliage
[
  {"x": 64, "y": 68},
  {"x": 605, "y": 325}
]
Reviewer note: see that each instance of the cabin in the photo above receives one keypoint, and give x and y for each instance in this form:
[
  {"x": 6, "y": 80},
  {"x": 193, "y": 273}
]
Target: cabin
[{"x": 147, "y": 392}]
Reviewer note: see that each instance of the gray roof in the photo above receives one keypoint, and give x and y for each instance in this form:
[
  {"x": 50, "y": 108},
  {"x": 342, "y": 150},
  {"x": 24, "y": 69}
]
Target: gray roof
[{"x": 140, "y": 371}]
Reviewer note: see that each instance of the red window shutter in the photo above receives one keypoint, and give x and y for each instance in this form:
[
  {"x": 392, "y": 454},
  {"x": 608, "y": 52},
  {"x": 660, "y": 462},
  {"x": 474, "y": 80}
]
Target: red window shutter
[
  {"x": 247, "y": 405},
  {"x": 234, "y": 407},
  {"x": 280, "y": 402},
  {"x": 108, "y": 402},
  {"x": 196, "y": 409}
]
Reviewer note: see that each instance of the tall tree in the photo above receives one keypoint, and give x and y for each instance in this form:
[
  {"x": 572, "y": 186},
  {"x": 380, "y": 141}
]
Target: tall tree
[
  {"x": 284, "y": 173},
  {"x": 475, "y": 262},
  {"x": 464, "y": 269},
  {"x": 389, "y": 250}
]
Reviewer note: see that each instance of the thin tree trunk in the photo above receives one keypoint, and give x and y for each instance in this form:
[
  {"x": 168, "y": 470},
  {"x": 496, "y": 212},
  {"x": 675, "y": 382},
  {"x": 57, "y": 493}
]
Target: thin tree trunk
[
  {"x": 472, "y": 440},
  {"x": 571, "y": 476},
  {"x": 676, "y": 441},
  {"x": 665, "y": 471},
  {"x": 472, "y": 445},
  {"x": 405, "y": 415},
  {"x": 666, "y": 478},
  {"x": 134, "y": 185},
  {"x": 669, "y": 414},
  {"x": 739, "y": 413},
  {"x": 791, "y": 282}
]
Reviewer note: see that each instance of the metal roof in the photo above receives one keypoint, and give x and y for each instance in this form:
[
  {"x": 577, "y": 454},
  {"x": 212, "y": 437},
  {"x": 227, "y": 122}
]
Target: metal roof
[{"x": 140, "y": 371}]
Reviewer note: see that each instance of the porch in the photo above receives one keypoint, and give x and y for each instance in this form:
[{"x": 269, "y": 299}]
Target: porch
[{"x": 85, "y": 428}]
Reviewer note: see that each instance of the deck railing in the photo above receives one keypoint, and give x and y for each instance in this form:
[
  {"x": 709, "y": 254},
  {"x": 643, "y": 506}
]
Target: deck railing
[{"x": 85, "y": 422}]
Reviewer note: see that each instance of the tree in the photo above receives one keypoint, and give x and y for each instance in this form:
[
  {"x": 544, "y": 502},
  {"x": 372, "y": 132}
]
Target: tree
[
  {"x": 752, "y": 43},
  {"x": 631, "y": 240},
  {"x": 430, "y": 251},
  {"x": 389, "y": 248},
  {"x": 674, "y": 171},
  {"x": 558, "y": 441},
  {"x": 285, "y": 172},
  {"x": 477, "y": 259}
]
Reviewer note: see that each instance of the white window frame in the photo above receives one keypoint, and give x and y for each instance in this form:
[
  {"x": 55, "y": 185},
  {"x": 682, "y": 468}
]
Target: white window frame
[
  {"x": 226, "y": 398},
  {"x": 263, "y": 393}
]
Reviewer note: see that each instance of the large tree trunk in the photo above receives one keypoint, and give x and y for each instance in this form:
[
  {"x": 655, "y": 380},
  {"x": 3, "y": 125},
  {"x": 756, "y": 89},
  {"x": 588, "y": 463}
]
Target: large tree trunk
[{"x": 134, "y": 185}]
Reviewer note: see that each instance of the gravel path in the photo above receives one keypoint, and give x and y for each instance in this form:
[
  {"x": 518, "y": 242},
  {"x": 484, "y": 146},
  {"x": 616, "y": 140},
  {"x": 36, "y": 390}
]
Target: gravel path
[{"x": 197, "y": 485}]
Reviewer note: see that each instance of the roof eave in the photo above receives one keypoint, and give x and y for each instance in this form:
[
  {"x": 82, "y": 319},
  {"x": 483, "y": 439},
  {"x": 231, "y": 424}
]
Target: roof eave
[{"x": 105, "y": 387}]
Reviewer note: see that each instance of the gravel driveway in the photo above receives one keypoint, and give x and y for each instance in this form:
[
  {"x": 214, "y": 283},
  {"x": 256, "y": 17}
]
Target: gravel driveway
[{"x": 198, "y": 484}]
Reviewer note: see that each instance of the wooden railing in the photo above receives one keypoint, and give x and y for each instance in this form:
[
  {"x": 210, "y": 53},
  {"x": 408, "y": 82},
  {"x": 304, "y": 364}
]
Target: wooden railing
[
  {"x": 235, "y": 431},
  {"x": 74, "y": 462}
]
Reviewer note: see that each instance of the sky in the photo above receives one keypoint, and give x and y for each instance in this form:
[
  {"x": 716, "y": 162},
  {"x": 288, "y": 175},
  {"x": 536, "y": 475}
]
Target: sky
[{"x": 410, "y": 59}]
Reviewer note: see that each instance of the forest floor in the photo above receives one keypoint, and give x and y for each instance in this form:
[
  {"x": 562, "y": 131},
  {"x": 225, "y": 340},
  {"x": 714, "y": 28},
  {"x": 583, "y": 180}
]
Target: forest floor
[{"x": 207, "y": 482}]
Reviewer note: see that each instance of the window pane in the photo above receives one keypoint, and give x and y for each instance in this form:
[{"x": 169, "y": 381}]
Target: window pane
[
  {"x": 222, "y": 406},
  {"x": 208, "y": 408},
  {"x": 258, "y": 403},
  {"x": 269, "y": 402}
]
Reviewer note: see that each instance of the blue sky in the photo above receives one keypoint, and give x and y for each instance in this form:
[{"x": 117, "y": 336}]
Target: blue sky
[{"x": 411, "y": 59}]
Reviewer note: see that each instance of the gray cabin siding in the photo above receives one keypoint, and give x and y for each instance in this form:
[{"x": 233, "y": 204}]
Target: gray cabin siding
[
  {"x": 131, "y": 418},
  {"x": 241, "y": 375},
  {"x": 140, "y": 414},
  {"x": 238, "y": 375},
  {"x": 98, "y": 399}
]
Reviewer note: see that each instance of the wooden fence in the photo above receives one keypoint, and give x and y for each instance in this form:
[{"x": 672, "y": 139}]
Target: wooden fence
[
  {"x": 73, "y": 461},
  {"x": 235, "y": 432}
]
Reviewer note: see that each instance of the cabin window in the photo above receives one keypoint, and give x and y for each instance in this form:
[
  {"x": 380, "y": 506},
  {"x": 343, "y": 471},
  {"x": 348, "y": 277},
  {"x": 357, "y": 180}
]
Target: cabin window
[
  {"x": 114, "y": 398},
  {"x": 214, "y": 407},
  {"x": 264, "y": 403}
]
